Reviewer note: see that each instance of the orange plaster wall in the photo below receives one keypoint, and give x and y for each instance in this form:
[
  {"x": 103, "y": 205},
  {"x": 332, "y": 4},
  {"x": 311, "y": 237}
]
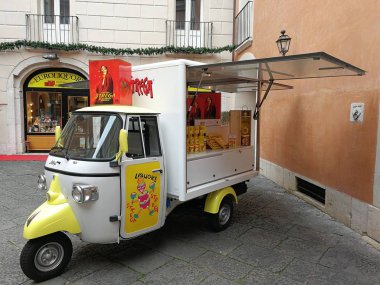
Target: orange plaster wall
[{"x": 307, "y": 130}]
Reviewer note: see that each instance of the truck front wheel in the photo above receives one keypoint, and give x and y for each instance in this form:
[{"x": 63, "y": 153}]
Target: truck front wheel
[
  {"x": 222, "y": 219},
  {"x": 46, "y": 257}
]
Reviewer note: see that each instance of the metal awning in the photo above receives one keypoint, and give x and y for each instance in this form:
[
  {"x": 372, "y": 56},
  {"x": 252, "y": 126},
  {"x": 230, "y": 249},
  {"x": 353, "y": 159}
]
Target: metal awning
[
  {"x": 239, "y": 75},
  {"x": 264, "y": 73}
]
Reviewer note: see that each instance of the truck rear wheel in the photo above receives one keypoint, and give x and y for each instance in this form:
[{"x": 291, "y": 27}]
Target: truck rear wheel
[
  {"x": 222, "y": 219},
  {"x": 46, "y": 257}
]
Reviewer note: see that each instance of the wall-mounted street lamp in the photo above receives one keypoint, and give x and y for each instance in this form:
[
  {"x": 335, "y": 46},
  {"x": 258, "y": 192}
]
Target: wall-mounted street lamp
[
  {"x": 283, "y": 43},
  {"x": 50, "y": 56}
]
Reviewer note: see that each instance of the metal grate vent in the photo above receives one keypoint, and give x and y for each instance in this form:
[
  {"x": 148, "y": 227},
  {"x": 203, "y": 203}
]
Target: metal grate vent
[{"x": 311, "y": 190}]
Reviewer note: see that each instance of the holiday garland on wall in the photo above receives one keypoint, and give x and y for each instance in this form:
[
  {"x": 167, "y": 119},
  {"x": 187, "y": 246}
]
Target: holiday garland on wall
[{"x": 6, "y": 46}]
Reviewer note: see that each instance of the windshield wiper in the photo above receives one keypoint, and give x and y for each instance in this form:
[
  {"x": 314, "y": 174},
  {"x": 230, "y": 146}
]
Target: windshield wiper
[{"x": 63, "y": 150}]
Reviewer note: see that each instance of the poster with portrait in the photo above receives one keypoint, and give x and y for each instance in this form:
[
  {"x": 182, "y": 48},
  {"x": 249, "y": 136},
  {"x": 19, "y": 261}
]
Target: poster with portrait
[
  {"x": 107, "y": 82},
  {"x": 206, "y": 106}
]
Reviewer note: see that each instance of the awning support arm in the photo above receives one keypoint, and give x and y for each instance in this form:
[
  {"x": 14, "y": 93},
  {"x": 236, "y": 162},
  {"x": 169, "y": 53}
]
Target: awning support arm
[{"x": 258, "y": 105}]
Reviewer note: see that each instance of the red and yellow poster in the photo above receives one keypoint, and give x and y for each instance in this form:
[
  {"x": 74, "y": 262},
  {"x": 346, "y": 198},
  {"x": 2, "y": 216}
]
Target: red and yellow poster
[
  {"x": 143, "y": 189},
  {"x": 206, "y": 106},
  {"x": 107, "y": 82}
]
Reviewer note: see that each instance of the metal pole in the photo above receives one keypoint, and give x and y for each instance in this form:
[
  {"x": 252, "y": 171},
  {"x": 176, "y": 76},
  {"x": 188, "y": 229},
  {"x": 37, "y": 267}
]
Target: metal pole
[{"x": 258, "y": 98}]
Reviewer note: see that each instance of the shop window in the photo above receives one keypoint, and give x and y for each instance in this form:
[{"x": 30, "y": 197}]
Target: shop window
[{"x": 44, "y": 111}]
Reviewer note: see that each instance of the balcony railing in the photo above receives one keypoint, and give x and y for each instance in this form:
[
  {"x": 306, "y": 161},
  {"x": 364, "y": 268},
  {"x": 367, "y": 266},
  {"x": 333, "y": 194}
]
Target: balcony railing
[
  {"x": 189, "y": 34},
  {"x": 52, "y": 28},
  {"x": 243, "y": 24}
]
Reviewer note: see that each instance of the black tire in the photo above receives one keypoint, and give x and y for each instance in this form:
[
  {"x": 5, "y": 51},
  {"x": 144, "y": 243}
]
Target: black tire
[
  {"x": 46, "y": 257},
  {"x": 221, "y": 220}
]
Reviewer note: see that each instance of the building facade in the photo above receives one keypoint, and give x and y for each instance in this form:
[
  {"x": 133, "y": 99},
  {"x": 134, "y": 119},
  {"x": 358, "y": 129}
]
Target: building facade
[
  {"x": 311, "y": 142},
  {"x": 55, "y": 40}
]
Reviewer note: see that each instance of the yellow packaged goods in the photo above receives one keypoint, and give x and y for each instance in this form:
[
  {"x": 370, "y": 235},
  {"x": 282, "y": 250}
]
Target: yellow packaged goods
[
  {"x": 232, "y": 141},
  {"x": 221, "y": 142},
  {"x": 216, "y": 142},
  {"x": 212, "y": 143}
]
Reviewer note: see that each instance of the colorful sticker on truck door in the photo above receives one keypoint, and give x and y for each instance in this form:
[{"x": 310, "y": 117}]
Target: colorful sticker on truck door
[{"x": 142, "y": 196}]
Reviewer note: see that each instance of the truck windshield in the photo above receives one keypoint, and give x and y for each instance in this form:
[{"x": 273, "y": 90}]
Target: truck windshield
[{"x": 89, "y": 137}]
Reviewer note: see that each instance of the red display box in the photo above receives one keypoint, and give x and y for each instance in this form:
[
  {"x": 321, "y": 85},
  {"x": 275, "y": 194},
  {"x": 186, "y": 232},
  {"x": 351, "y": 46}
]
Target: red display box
[{"x": 108, "y": 82}]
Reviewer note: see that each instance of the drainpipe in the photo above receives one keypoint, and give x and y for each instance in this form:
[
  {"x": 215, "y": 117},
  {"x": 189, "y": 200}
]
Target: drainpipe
[{"x": 233, "y": 29}]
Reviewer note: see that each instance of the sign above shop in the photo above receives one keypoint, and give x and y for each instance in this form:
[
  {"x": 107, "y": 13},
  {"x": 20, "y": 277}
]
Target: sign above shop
[{"x": 53, "y": 79}]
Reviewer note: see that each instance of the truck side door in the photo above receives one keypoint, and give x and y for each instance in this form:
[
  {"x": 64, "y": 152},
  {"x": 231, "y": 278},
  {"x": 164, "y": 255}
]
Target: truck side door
[{"x": 143, "y": 192}]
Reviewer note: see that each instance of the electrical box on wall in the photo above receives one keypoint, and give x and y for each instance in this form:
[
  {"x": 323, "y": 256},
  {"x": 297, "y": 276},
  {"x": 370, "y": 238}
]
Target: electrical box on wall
[{"x": 357, "y": 112}]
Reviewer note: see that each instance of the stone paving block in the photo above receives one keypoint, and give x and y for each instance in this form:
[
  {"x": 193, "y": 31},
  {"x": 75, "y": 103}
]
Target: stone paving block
[
  {"x": 263, "y": 238},
  {"x": 242, "y": 217},
  {"x": 84, "y": 262},
  {"x": 270, "y": 259},
  {"x": 177, "y": 248},
  {"x": 215, "y": 242},
  {"x": 262, "y": 277},
  {"x": 14, "y": 236},
  {"x": 11, "y": 276},
  {"x": 114, "y": 274},
  {"x": 313, "y": 273},
  {"x": 142, "y": 259},
  {"x": 55, "y": 281},
  {"x": 215, "y": 279},
  {"x": 176, "y": 272},
  {"x": 109, "y": 251},
  {"x": 303, "y": 249},
  {"x": 235, "y": 230},
  {"x": 317, "y": 237},
  {"x": 6, "y": 224},
  {"x": 344, "y": 259},
  {"x": 274, "y": 224},
  {"x": 224, "y": 266}
]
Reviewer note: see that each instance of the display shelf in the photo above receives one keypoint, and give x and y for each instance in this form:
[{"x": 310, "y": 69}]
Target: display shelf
[{"x": 211, "y": 153}]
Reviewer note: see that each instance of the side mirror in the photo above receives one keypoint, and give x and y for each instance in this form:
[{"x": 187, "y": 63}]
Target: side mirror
[
  {"x": 123, "y": 141},
  {"x": 57, "y": 133}
]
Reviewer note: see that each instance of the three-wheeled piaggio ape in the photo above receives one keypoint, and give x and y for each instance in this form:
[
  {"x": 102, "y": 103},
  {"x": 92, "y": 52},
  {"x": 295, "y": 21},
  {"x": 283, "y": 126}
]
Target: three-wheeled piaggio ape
[{"x": 117, "y": 171}]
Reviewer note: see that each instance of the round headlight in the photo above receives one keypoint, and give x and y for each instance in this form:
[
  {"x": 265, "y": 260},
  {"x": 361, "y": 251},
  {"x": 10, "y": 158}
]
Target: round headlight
[
  {"x": 77, "y": 194},
  {"x": 41, "y": 182}
]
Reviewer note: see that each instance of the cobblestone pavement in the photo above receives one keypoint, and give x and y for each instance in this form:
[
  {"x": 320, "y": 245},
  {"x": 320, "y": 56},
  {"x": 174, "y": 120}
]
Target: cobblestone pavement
[{"x": 275, "y": 238}]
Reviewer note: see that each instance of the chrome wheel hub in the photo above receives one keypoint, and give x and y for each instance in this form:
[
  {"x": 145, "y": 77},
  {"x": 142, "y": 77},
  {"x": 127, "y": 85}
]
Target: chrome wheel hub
[
  {"x": 48, "y": 257},
  {"x": 224, "y": 214}
]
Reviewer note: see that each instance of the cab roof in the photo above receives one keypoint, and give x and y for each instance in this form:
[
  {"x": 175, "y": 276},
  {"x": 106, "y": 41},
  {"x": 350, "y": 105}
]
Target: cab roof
[{"x": 118, "y": 109}]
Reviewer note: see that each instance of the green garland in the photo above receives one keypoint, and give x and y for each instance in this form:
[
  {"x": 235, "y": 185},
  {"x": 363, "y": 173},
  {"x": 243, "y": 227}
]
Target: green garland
[{"x": 6, "y": 46}]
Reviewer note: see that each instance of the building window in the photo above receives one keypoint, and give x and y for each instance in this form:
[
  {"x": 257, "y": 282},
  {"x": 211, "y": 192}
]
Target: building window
[
  {"x": 54, "y": 8},
  {"x": 244, "y": 23},
  {"x": 188, "y": 11},
  {"x": 187, "y": 30}
]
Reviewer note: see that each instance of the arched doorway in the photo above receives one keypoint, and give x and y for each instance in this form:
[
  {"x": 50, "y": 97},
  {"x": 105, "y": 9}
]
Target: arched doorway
[{"x": 47, "y": 104}]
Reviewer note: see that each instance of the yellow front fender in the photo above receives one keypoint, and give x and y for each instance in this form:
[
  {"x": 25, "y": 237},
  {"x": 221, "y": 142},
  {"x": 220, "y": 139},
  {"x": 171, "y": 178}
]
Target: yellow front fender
[
  {"x": 52, "y": 216},
  {"x": 47, "y": 219},
  {"x": 214, "y": 199}
]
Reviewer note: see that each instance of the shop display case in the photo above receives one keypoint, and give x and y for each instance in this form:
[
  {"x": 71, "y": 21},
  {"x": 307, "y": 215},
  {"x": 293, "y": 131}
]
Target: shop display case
[{"x": 44, "y": 111}]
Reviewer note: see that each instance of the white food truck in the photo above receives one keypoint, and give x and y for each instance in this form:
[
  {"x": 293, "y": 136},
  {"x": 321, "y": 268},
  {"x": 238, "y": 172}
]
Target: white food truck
[{"x": 116, "y": 171}]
